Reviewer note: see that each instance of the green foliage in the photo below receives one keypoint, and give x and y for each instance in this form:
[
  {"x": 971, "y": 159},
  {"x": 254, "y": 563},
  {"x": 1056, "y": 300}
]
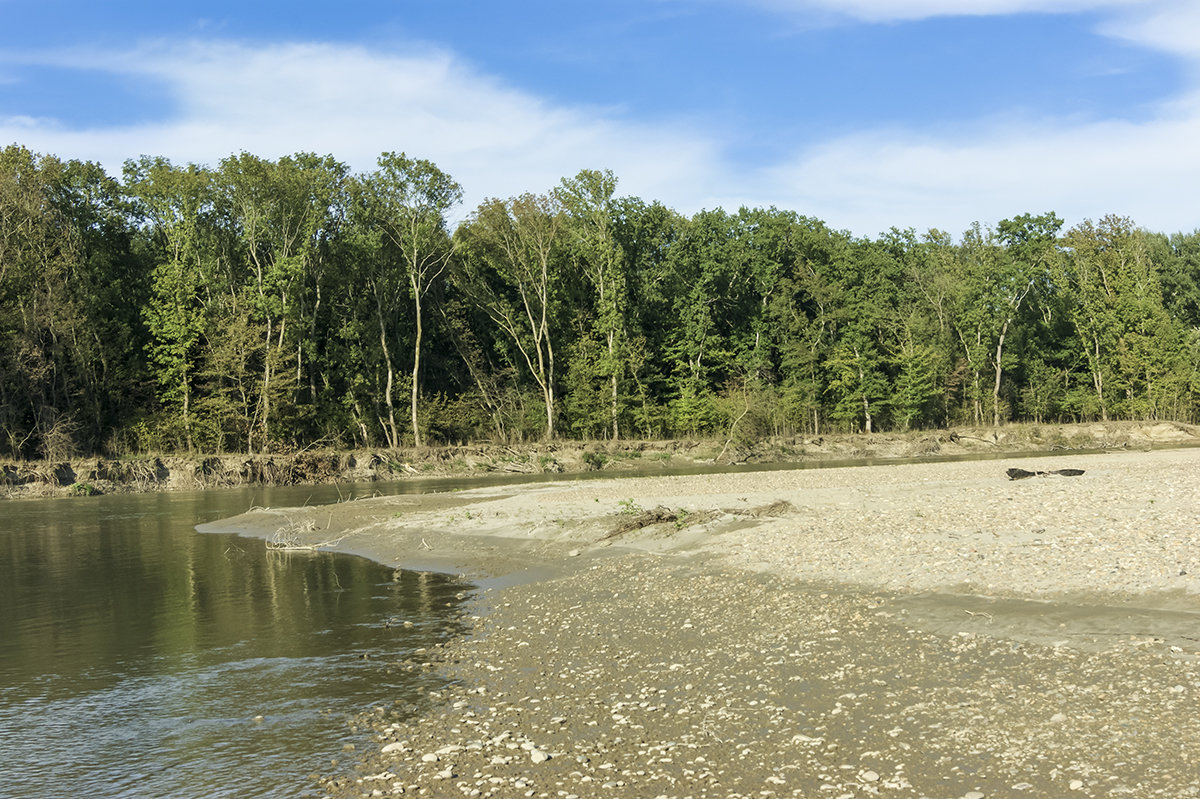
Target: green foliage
[
  {"x": 629, "y": 507},
  {"x": 272, "y": 304},
  {"x": 595, "y": 460}
]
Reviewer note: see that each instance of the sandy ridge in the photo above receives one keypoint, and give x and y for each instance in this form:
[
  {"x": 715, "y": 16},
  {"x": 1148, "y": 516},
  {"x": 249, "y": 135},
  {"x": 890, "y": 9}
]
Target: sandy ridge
[{"x": 1126, "y": 526}]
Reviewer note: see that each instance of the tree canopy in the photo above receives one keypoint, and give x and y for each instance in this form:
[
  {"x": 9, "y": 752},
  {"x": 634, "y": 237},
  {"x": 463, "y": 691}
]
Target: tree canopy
[{"x": 275, "y": 304}]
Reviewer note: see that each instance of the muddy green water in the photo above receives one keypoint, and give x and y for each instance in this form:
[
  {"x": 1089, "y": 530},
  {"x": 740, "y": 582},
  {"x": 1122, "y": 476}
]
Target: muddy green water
[{"x": 136, "y": 653}]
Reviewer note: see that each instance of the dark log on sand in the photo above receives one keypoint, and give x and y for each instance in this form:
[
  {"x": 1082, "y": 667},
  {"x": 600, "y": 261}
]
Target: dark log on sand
[{"x": 1021, "y": 474}]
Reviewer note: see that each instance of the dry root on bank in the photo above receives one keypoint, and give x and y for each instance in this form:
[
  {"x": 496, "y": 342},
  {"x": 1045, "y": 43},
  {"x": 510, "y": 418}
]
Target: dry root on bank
[{"x": 292, "y": 538}]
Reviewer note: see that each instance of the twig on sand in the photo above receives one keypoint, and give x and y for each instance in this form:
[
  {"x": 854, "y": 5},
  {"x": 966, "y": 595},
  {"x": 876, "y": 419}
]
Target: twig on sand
[
  {"x": 281, "y": 543},
  {"x": 987, "y": 616},
  {"x": 288, "y": 538}
]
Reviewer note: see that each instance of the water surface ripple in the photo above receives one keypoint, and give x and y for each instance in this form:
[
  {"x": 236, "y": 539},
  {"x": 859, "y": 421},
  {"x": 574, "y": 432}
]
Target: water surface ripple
[{"x": 137, "y": 655}]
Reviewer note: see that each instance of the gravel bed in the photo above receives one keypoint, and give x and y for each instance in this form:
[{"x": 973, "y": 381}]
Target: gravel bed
[{"x": 926, "y": 630}]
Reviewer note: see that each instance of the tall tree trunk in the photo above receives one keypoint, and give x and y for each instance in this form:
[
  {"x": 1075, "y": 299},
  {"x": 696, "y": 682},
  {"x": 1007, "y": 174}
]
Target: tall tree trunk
[
  {"x": 862, "y": 381},
  {"x": 416, "y": 429},
  {"x": 999, "y": 369},
  {"x": 548, "y": 390},
  {"x": 187, "y": 407},
  {"x": 390, "y": 431},
  {"x": 612, "y": 359},
  {"x": 266, "y": 389},
  {"x": 1098, "y": 379}
]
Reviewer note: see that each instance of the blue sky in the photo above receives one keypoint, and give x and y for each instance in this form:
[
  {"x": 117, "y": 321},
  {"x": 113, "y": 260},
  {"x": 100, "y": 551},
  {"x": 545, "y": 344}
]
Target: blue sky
[{"x": 864, "y": 113}]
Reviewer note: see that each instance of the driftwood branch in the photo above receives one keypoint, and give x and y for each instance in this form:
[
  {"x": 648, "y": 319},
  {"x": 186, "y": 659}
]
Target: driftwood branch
[{"x": 1021, "y": 474}]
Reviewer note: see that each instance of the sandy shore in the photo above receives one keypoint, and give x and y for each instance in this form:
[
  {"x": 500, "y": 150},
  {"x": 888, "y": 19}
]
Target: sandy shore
[{"x": 907, "y": 630}]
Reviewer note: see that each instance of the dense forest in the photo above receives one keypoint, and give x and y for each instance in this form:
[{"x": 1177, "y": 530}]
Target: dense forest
[{"x": 267, "y": 305}]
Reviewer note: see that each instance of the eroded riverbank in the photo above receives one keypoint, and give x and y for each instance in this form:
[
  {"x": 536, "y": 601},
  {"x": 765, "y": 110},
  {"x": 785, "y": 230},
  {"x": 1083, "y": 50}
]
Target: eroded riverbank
[
  {"x": 99, "y": 475},
  {"x": 843, "y": 632}
]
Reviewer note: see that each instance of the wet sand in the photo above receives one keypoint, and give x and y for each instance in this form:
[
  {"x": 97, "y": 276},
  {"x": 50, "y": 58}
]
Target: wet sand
[{"x": 911, "y": 630}]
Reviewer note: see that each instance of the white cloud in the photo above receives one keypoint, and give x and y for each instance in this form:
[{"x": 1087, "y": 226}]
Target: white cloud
[
  {"x": 993, "y": 169},
  {"x": 499, "y": 141},
  {"x": 355, "y": 103},
  {"x": 1172, "y": 26},
  {"x": 872, "y": 181},
  {"x": 907, "y": 10}
]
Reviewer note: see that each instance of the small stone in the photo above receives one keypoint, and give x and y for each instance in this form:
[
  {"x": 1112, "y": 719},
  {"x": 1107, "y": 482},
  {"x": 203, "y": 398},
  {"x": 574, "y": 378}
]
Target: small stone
[
  {"x": 1058, "y": 718},
  {"x": 1075, "y": 785},
  {"x": 430, "y": 758},
  {"x": 870, "y": 776},
  {"x": 973, "y": 795},
  {"x": 538, "y": 756}
]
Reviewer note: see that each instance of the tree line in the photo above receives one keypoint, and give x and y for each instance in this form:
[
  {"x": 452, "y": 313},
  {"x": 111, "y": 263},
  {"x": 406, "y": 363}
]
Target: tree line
[{"x": 264, "y": 305}]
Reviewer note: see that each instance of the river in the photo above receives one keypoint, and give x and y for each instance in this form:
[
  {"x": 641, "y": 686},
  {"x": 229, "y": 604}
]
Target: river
[{"x": 141, "y": 658}]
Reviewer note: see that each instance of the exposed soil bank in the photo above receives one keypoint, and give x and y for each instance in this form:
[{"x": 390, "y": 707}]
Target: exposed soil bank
[
  {"x": 167, "y": 473},
  {"x": 916, "y": 630}
]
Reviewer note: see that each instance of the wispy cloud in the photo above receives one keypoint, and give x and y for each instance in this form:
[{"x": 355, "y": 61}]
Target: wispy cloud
[
  {"x": 1172, "y": 26},
  {"x": 907, "y": 10},
  {"x": 872, "y": 181},
  {"x": 355, "y": 103},
  {"x": 498, "y": 140},
  {"x": 991, "y": 169}
]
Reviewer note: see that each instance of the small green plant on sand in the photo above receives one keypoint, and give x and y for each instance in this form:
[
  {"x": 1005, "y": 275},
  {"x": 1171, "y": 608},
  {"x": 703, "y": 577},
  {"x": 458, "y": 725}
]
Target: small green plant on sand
[
  {"x": 629, "y": 507},
  {"x": 84, "y": 490}
]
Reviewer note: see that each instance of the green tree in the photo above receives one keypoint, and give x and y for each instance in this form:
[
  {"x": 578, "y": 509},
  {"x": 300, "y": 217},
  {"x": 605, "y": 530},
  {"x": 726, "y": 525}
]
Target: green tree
[
  {"x": 860, "y": 385},
  {"x": 280, "y": 213},
  {"x": 405, "y": 201},
  {"x": 804, "y": 314},
  {"x": 591, "y": 230},
  {"x": 510, "y": 268},
  {"x": 1134, "y": 352},
  {"x": 38, "y": 250},
  {"x": 177, "y": 202},
  {"x": 647, "y": 233}
]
